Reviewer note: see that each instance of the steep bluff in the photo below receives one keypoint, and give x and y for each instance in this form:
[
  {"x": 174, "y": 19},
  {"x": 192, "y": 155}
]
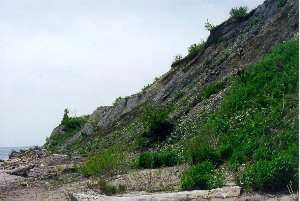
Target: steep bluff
[{"x": 230, "y": 47}]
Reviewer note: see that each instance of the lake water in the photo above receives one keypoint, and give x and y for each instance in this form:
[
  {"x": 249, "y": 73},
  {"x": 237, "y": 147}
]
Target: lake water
[{"x": 5, "y": 151}]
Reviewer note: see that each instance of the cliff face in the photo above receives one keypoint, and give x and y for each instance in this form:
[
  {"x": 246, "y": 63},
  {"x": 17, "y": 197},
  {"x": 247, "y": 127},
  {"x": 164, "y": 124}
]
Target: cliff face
[{"x": 229, "y": 49}]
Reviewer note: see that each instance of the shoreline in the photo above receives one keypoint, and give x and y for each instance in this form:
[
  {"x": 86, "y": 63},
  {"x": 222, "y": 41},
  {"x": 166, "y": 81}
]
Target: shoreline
[{"x": 37, "y": 175}]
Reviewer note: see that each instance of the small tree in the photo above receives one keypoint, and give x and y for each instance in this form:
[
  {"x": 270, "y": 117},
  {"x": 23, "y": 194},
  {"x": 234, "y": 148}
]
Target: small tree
[
  {"x": 195, "y": 48},
  {"x": 178, "y": 57},
  {"x": 239, "y": 12},
  {"x": 66, "y": 116},
  {"x": 209, "y": 26}
]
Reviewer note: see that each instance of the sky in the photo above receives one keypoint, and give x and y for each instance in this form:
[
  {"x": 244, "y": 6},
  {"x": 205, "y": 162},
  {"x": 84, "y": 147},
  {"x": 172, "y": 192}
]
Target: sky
[{"x": 81, "y": 54}]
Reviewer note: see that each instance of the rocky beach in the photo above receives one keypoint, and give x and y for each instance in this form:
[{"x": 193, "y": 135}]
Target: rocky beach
[{"x": 37, "y": 175}]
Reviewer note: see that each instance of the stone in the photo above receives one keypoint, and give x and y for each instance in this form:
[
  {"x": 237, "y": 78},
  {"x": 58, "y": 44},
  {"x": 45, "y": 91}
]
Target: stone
[
  {"x": 22, "y": 171},
  {"x": 196, "y": 195}
]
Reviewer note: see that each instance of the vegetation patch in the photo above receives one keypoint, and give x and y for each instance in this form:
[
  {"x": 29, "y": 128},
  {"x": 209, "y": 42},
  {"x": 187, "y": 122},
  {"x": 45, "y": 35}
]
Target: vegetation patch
[
  {"x": 157, "y": 126},
  {"x": 208, "y": 26},
  {"x": 108, "y": 162},
  {"x": 199, "y": 150},
  {"x": 158, "y": 159},
  {"x": 193, "y": 50},
  {"x": 202, "y": 176},
  {"x": 239, "y": 12},
  {"x": 107, "y": 188},
  {"x": 258, "y": 119},
  {"x": 70, "y": 126},
  {"x": 213, "y": 89},
  {"x": 274, "y": 174},
  {"x": 281, "y": 3}
]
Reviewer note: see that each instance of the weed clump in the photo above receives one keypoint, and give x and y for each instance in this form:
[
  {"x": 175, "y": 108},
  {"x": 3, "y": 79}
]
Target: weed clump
[
  {"x": 239, "y": 12},
  {"x": 201, "y": 176},
  {"x": 157, "y": 126},
  {"x": 213, "y": 89},
  {"x": 158, "y": 159},
  {"x": 107, "y": 162}
]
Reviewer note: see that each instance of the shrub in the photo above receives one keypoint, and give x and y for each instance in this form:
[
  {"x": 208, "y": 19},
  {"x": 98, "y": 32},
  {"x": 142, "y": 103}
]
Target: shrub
[
  {"x": 239, "y": 12},
  {"x": 108, "y": 162},
  {"x": 208, "y": 26},
  {"x": 281, "y": 3},
  {"x": 158, "y": 159},
  {"x": 72, "y": 123},
  {"x": 201, "y": 176},
  {"x": 70, "y": 126},
  {"x": 117, "y": 100},
  {"x": 154, "y": 114},
  {"x": 198, "y": 151},
  {"x": 224, "y": 151},
  {"x": 157, "y": 127},
  {"x": 272, "y": 175},
  {"x": 213, "y": 89},
  {"x": 177, "y": 58},
  {"x": 194, "y": 49}
]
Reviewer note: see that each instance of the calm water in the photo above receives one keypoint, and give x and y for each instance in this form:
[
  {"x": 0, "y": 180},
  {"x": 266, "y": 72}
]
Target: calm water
[{"x": 5, "y": 151}]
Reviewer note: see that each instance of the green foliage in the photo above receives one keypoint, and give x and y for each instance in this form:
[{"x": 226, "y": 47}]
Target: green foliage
[
  {"x": 194, "y": 49},
  {"x": 107, "y": 162},
  {"x": 70, "y": 126},
  {"x": 158, "y": 159},
  {"x": 274, "y": 174},
  {"x": 281, "y": 3},
  {"x": 201, "y": 176},
  {"x": 258, "y": 117},
  {"x": 239, "y": 12},
  {"x": 199, "y": 150},
  {"x": 177, "y": 59},
  {"x": 117, "y": 100},
  {"x": 224, "y": 151},
  {"x": 208, "y": 26},
  {"x": 213, "y": 89},
  {"x": 154, "y": 114},
  {"x": 157, "y": 127},
  {"x": 72, "y": 123}
]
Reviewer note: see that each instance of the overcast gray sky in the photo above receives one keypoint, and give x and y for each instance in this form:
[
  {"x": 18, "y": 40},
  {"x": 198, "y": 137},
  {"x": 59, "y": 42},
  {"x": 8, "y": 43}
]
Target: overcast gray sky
[{"x": 82, "y": 54}]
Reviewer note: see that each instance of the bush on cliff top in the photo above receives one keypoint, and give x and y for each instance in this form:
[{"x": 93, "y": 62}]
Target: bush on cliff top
[{"x": 239, "y": 12}]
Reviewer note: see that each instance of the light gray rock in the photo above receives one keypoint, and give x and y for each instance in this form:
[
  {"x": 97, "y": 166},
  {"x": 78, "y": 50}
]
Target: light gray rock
[
  {"x": 21, "y": 171},
  {"x": 196, "y": 195}
]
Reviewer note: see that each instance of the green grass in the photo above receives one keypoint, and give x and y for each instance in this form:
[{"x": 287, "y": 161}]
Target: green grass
[
  {"x": 239, "y": 12},
  {"x": 255, "y": 126},
  {"x": 70, "y": 125},
  {"x": 201, "y": 176},
  {"x": 158, "y": 159},
  {"x": 274, "y": 174},
  {"x": 156, "y": 124},
  {"x": 258, "y": 117},
  {"x": 109, "y": 162},
  {"x": 213, "y": 89}
]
